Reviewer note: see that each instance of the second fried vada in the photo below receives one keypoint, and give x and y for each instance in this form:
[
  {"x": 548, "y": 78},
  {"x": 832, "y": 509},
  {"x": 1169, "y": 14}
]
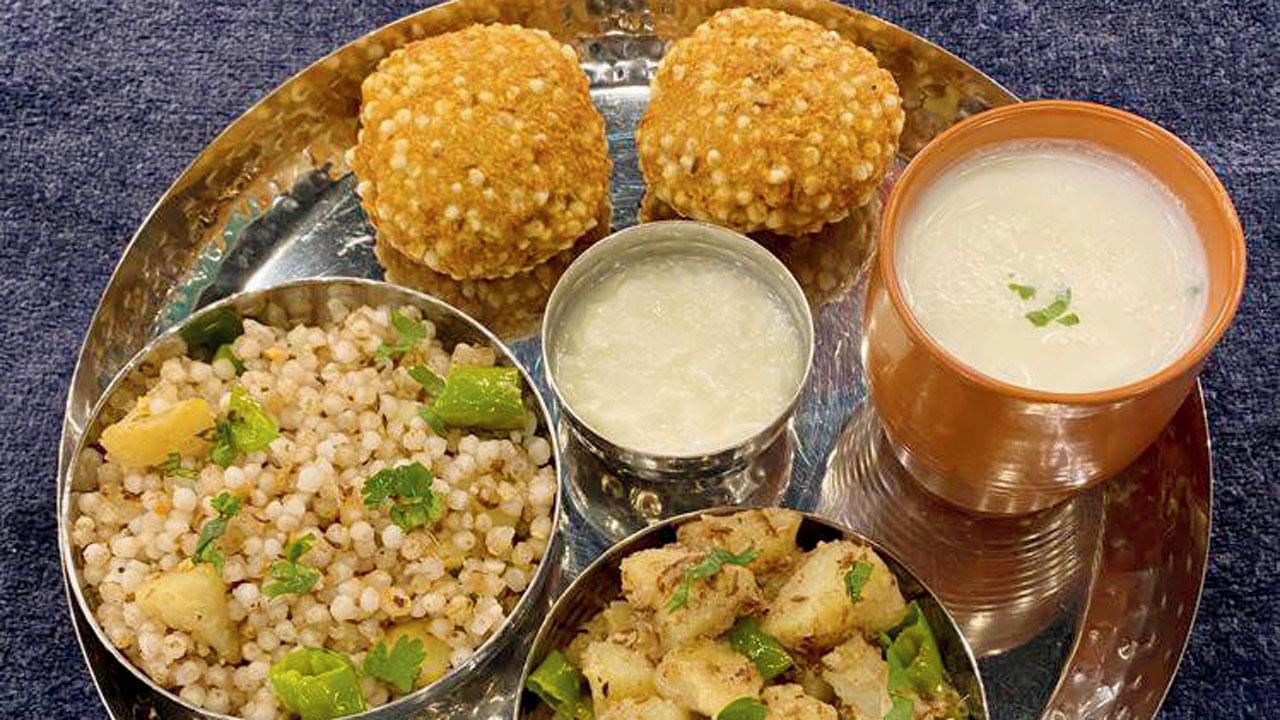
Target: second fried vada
[
  {"x": 761, "y": 120},
  {"x": 480, "y": 153}
]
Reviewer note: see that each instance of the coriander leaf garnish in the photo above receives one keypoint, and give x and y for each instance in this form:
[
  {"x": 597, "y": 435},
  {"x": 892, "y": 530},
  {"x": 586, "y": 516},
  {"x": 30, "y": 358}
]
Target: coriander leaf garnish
[
  {"x": 855, "y": 578},
  {"x": 1026, "y": 292},
  {"x": 709, "y": 565},
  {"x": 290, "y": 575},
  {"x": 408, "y": 333},
  {"x": 414, "y": 503},
  {"x": 226, "y": 353},
  {"x": 1069, "y": 319},
  {"x": 1046, "y": 314},
  {"x": 223, "y": 449},
  {"x": 172, "y": 467},
  {"x": 399, "y": 666},
  {"x": 247, "y": 428},
  {"x": 430, "y": 381},
  {"x": 226, "y": 506}
]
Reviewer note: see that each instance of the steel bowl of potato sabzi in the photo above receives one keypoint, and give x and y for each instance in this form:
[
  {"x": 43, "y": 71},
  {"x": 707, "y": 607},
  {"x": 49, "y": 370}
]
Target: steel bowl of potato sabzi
[{"x": 749, "y": 614}]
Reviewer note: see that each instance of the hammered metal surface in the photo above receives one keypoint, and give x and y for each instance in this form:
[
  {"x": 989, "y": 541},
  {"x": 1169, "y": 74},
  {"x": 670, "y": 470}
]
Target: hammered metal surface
[{"x": 1083, "y": 613}]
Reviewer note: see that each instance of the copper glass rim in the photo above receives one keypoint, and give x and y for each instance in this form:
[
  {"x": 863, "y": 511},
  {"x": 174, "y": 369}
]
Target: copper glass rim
[{"x": 921, "y": 171}]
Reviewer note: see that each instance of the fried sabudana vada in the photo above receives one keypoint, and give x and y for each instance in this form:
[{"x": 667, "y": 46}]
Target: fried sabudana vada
[
  {"x": 761, "y": 120},
  {"x": 479, "y": 152}
]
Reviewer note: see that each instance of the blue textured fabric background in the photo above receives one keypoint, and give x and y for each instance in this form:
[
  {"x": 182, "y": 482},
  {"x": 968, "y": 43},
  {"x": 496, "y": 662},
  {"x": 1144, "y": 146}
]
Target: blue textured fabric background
[{"x": 103, "y": 104}]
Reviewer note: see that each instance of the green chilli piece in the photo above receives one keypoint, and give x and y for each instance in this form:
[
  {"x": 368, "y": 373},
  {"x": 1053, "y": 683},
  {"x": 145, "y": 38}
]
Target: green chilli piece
[
  {"x": 425, "y": 377},
  {"x": 744, "y": 708},
  {"x": 901, "y": 709},
  {"x": 559, "y": 684},
  {"x": 317, "y": 684},
  {"x": 916, "y": 670},
  {"x": 768, "y": 655},
  {"x": 914, "y": 648},
  {"x": 247, "y": 428},
  {"x": 252, "y": 429},
  {"x": 478, "y": 396},
  {"x": 855, "y": 578}
]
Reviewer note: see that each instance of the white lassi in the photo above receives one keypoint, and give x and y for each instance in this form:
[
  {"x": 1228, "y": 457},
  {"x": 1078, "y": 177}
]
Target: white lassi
[
  {"x": 1053, "y": 265},
  {"x": 678, "y": 355}
]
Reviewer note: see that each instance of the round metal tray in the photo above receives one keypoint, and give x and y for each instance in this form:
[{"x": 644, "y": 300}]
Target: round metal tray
[{"x": 1079, "y": 611}]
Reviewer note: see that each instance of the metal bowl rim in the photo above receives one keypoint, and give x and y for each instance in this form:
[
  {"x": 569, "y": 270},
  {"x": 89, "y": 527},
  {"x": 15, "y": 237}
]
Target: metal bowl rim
[
  {"x": 483, "y": 652},
  {"x": 611, "y": 557}
]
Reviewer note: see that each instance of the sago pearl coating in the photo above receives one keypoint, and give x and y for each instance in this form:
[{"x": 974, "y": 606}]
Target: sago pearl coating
[
  {"x": 761, "y": 120},
  {"x": 479, "y": 152}
]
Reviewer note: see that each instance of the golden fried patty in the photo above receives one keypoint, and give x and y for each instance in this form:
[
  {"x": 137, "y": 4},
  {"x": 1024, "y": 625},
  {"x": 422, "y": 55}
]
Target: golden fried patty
[
  {"x": 763, "y": 120},
  {"x": 480, "y": 153}
]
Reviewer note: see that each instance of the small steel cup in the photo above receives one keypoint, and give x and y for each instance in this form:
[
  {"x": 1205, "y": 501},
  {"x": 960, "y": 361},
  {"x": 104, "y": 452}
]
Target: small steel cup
[
  {"x": 476, "y": 688},
  {"x": 644, "y": 480},
  {"x": 683, "y": 238}
]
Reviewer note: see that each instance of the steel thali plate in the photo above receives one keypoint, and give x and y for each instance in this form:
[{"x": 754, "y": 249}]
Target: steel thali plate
[{"x": 1079, "y": 611}]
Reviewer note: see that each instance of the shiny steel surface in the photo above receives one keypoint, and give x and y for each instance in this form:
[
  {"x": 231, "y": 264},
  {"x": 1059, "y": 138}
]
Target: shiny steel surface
[
  {"x": 475, "y": 684},
  {"x": 667, "y": 238},
  {"x": 1083, "y": 615},
  {"x": 601, "y": 583}
]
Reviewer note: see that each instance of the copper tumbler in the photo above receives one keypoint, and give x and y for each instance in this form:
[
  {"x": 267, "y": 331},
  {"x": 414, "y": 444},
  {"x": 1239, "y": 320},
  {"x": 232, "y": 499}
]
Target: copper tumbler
[{"x": 994, "y": 447}]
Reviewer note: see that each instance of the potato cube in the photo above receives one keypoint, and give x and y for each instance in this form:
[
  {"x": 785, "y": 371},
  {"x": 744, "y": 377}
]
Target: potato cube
[
  {"x": 771, "y": 532},
  {"x": 813, "y": 610},
  {"x": 789, "y": 702},
  {"x": 860, "y": 676},
  {"x": 706, "y": 675},
  {"x": 144, "y": 438},
  {"x": 193, "y": 599},
  {"x": 616, "y": 673}
]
